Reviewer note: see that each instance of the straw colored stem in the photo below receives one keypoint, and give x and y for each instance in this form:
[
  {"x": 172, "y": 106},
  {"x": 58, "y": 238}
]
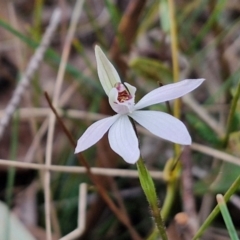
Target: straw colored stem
[
  {"x": 174, "y": 50},
  {"x": 204, "y": 115},
  {"x": 114, "y": 172},
  {"x": 31, "y": 68},
  {"x": 215, "y": 153},
  {"x": 66, "y": 49}
]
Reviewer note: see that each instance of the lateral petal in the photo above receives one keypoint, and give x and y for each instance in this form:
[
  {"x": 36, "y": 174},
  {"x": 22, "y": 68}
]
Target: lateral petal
[
  {"x": 131, "y": 89},
  {"x": 123, "y": 140},
  {"x": 94, "y": 133},
  {"x": 163, "y": 125},
  {"x": 107, "y": 74},
  {"x": 168, "y": 92}
]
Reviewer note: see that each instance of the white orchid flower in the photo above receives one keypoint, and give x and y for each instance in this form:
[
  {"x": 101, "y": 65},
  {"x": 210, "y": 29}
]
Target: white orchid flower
[{"x": 121, "y": 136}]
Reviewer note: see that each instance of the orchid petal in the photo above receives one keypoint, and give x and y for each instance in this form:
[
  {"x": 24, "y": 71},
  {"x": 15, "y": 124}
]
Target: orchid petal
[
  {"x": 123, "y": 140},
  {"x": 168, "y": 92},
  {"x": 108, "y": 75},
  {"x": 94, "y": 133},
  {"x": 163, "y": 125}
]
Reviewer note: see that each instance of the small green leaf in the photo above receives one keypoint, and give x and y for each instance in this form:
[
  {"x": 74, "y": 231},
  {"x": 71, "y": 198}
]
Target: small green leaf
[
  {"x": 215, "y": 211},
  {"x": 151, "y": 69},
  {"x": 218, "y": 180},
  {"x": 202, "y": 130},
  {"x": 227, "y": 218}
]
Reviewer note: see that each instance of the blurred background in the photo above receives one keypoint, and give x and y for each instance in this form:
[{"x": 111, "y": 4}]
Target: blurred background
[{"x": 141, "y": 38}]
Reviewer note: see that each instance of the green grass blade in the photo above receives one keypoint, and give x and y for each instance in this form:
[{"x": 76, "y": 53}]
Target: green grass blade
[{"x": 227, "y": 218}]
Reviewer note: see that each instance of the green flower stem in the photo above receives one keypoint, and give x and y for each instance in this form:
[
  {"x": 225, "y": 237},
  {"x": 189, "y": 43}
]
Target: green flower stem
[
  {"x": 168, "y": 201},
  {"x": 226, "y": 216},
  {"x": 231, "y": 115},
  {"x": 154, "y": 234},
  {"x": 215, "y": 211},
  {"x": 170, "y": 195},
  {"x": 150, "y": 192},
  {"x": 171, "y": 176},
  {"x": 174, "y": 43}
]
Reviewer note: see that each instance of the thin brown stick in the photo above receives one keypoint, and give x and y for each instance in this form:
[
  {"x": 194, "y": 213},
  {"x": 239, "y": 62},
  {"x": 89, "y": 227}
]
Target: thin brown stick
[
  {"x": 70, "y": 138},
  {"x": 98, "y": 185}
]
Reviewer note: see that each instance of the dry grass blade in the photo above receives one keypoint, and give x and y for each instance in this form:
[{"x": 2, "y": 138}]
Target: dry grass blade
[
  {"x": 215, "y": 153},
  {"x": 114, "y": 172},
  {"x": 66, "y": 49},
  {"x": 204, "y": 115},
  {"x": 31, "y": 68}
]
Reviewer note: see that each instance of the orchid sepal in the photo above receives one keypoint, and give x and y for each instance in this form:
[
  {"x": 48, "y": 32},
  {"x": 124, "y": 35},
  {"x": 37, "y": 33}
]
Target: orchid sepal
[{"x": 108, "y": 75}]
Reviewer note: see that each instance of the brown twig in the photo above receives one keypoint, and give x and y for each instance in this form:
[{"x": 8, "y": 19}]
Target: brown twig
[{"x": 122, "y": 218}]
